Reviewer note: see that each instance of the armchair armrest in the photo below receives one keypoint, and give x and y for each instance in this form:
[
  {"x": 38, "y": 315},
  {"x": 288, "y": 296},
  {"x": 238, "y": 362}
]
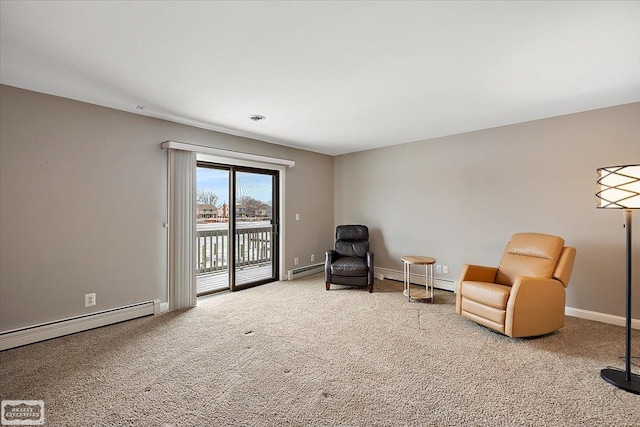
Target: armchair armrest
[
  {"x": 369, "y": 257},
  {"x": 478, "y": 273},
  {"x": 535, "y": 307},
  {"x": 474, "y": 273},
  {"x": 331, "y": 255}
]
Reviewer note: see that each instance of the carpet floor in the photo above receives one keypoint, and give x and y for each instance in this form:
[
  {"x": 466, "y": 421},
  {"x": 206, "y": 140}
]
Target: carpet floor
[{"x": 291, "y": 353}]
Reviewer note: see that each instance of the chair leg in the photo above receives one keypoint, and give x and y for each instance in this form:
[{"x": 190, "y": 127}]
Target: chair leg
[
  {"x": 328, "y": 285},
  {"x": 371, "y": 288}
]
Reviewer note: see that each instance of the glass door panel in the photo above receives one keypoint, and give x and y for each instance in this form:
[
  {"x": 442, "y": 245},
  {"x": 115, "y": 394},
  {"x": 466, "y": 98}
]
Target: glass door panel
[
  {"x": 255, "y": 226},
  {"x": 212, "y": 225}
]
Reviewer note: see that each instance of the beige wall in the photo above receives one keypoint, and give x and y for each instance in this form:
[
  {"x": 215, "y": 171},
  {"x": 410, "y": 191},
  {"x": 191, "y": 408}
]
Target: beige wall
[
  {"x": 460, "y": 198},
  {"x": 83, "y": 196},
  {"x": 82, "y": 205}
]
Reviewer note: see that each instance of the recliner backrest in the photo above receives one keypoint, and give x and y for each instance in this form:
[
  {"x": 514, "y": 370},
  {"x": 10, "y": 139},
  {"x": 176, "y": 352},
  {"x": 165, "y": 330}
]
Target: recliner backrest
[
  {"x": 352, "y": 240},
  {"x": 531, "y": 255},
  {"x": 565, "y": 265}
]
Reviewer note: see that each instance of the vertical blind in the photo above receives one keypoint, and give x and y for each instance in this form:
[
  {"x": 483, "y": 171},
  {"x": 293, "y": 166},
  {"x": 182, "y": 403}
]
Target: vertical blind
[{"x": 182, "y": 229}]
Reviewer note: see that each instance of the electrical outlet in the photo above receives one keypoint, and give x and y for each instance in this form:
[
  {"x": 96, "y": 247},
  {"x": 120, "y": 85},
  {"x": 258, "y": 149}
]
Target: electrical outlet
[
  {"x": 297, "y": 217},
  {"x": 89, "y": 300},
  {"x": 438, "y": 268},
  {"x": 445, "y": 269},
  {"x": 313, "y": 257},
  {"x": 295, "y": 261}
]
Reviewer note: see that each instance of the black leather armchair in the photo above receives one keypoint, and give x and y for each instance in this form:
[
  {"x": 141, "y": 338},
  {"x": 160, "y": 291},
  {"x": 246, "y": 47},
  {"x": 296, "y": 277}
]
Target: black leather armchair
[{"x": 351, "y": 263}]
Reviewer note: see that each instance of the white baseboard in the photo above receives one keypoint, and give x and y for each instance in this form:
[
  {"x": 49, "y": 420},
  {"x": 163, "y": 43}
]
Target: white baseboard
[
  {"x": 420, "y": 279},
  {"x": 45, "y": 331},
  {"x": 600, "y": 317}
]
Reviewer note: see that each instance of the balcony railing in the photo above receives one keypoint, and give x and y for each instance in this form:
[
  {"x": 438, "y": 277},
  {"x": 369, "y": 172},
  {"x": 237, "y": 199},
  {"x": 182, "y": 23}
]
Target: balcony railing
[{"x": 253, "y": 245}]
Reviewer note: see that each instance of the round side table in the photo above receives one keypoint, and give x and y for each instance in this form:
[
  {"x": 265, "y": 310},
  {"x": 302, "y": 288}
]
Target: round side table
[{"x": 425, "y": 295}]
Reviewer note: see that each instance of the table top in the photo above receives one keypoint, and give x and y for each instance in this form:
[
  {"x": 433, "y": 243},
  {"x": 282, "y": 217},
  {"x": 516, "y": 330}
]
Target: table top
[{"x": 417, "y": 259}]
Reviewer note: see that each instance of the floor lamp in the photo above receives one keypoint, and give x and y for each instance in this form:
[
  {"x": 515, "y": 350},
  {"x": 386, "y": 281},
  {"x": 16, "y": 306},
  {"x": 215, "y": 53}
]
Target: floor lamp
[{"x": 619, "y": 188}]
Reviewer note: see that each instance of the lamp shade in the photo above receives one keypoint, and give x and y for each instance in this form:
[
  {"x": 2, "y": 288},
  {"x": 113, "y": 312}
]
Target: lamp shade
[{"x": 618, "y": 187}]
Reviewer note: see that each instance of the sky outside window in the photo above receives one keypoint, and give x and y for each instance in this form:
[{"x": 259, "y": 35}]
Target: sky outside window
[{"x": 256, "y": 186}]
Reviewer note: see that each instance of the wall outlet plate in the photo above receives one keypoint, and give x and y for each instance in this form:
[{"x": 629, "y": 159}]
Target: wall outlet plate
[{"x": 89, "y": 300}]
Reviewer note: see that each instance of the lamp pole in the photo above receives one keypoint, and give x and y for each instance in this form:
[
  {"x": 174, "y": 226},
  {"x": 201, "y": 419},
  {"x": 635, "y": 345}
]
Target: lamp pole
[
  {"x": 625, "y": 380},
  {"x": 619, "y": 188},
  {"x": 627, "y": 224}
]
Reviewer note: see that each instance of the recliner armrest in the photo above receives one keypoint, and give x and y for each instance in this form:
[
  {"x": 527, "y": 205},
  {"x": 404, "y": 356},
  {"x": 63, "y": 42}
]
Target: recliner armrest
[
  {"x": 369, "y": 257},
  {"x": 535, "y": 288},
  {"x": 330, "y": 257},
  {"x": 478, "y": 273},
  {"x": 535, "y": 307},
  {"x": 474, "y": 273}
]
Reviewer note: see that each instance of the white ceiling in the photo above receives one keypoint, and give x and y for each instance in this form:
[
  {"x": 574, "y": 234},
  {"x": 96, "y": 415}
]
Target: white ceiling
[{"x": 330, "y": 77}]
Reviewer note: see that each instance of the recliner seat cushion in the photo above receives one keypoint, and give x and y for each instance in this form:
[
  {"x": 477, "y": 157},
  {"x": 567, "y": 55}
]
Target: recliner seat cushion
[{"x": 349, "y": 266}]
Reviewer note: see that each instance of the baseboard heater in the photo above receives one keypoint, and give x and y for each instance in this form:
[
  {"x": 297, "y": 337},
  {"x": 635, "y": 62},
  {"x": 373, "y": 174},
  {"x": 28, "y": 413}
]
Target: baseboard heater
[
  {"x": 45, "y": 331},
  {"x": 305, "y": 271},
  {"x": 416, "y": 278}
]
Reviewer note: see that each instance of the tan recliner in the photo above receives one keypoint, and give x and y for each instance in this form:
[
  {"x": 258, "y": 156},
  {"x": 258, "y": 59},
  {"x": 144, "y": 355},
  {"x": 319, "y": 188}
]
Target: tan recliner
[{"x": 525, "y": 295}]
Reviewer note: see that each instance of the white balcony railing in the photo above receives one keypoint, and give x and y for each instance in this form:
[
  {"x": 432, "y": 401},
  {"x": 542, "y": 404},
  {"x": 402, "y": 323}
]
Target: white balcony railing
[{"x": 253, "y": 243}]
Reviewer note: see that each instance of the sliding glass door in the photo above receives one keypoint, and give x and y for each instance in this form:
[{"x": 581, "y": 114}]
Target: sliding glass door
[
  {"x": 240, "y": 202},
  {"x": 255, "y": 226},
  {"x": 212, "y": 228}
]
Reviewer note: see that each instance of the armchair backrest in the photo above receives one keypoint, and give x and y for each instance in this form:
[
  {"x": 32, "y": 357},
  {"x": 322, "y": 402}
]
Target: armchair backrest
[
  {"x": 352, "y": 240},
  {"x": 533, "y": 255}
]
